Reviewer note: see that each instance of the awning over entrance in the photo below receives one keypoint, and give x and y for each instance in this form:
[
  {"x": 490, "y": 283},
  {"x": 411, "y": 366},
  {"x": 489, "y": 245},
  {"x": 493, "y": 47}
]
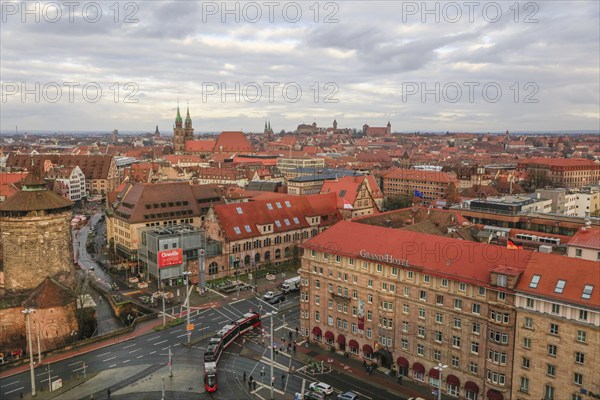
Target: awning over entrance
[
  {"x": 367, "y": 349},
  {"x": 494, "y": 395},
  {"x": 341, "y": 339},
  {"x": 471, "y": 387},
  {"x": 353, "y": 344},
  {"x": 329, "y": 335},
  {"x": 418, "y": 367},
  {"x": 317, "y": 331},
  {"x": 434, "y": 373},
  {"x": 402, "y": 362},
  {"x": 452, "y": 380}
]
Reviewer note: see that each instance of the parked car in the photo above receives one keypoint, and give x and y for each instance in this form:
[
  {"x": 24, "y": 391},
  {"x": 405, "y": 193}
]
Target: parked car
[
  {"x": 321, "y": 387},
  {"x": 308, "y": 395},
  {"x": 268, "y": 295},
  {"x": 347, "y": 396},
  {"x": 278, "y": 298}
]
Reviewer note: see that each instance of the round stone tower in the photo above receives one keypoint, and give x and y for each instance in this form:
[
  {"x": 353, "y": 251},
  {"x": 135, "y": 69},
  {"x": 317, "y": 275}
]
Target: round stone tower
[{"x": 36, "y": 236}]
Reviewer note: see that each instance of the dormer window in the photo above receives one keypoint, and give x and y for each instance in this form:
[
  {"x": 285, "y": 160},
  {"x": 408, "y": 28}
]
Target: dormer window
[
  {"x": 239, "y": 210},
  {"x": 501, "y": 280},
  {"x": 560, "y": 286},
  {"x": 587, "y": 292},
  {"x": 535, "y": 280}
]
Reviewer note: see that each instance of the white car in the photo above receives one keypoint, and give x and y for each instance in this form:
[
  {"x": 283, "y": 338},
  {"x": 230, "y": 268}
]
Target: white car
[
  {"x": 321, "y": 387},
  {"x": 269, "y": 295}
]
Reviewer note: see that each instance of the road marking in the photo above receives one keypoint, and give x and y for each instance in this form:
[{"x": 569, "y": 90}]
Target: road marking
[
  {"x": 51, "y": 378},
  {"x": 140, "y": 356},
  {"x": 76, "y": 362},
  {"x": 133, "y": 351},
  {"x": 237, "y": 301},
  {"x": 214, "y": 291},
  {"x": 162, "y": 341},
  {"x": 14, "y": 390},
  {"x": 131, "y": 345},
  {"x": 8, "y": 384},
  {"x": 126, "y": 361},
  {"x": 103, "y": 354},
  {"x": 175, "y": 331},
  {"x": 108, "y": 359},
  {"x": 43, "y": 373},
  {"x": 164, "y": 348},
  {"x": 176, "y": 344},
  {"x": 153, "y": 338},
  {"x": 275, "y": 363},
  {"x": 185, "y": 334},
  {"x": 114, "y": 365},
  {"x": 153, "y": 352}
]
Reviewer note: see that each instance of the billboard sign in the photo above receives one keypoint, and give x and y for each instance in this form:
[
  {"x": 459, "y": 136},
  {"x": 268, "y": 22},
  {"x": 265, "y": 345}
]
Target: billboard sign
[{"x": 169, "y": 258}]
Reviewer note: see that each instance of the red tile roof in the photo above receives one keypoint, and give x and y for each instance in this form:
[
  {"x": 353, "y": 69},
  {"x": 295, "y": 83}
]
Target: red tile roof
[
  {"x": 561, "y": 162},
  {"x": 577, "y": 273},
  {"x": 282, "y": 208},
  {"x": 200, "y": 145},
  {"x": 232, "y": 142},
  {"x": 417, "y": 175},
  {"x": 588, "y": 238},
  {"x": 462, "y": 260}
]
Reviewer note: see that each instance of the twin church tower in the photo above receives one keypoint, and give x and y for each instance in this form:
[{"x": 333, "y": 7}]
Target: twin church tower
[{"x": 182, "y": 133}]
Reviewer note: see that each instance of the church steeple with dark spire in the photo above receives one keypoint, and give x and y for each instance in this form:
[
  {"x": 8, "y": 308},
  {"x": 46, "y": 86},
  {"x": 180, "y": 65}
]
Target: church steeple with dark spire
[
  {"x": 178, "y": 120},
  {"x": 188, "y": 120}
]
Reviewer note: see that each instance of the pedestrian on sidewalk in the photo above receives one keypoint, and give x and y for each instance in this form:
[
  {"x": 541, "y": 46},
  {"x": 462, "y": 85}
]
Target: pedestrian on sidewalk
[
  {"x": 244, "y": 376},
  {"x": 254, "y": 385},
  {"x": 108, "y": 393},
  {"x": 364, "y": 364},
  {"x": 249, "y": 385},
  {"x": 282, "y": 379},
  {"x": 400, "y": 379},
  {"x": 294, "y": 348}
]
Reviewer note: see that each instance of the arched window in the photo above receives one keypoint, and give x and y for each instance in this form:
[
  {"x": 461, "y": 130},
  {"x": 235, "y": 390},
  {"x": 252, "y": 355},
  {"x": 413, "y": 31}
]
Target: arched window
[
  {"x": 247, "y": 260},
  {"x": 257, "y": 257},
  {"x": 213, "y": 268},
  {"x": 267, "y": 255},
  {"x": 277, "y": 254},
  {"x": 287, "y": 252}
]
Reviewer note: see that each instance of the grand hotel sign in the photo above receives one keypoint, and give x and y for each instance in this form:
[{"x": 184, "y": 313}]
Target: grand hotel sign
[{"x": 385, "y": 258}]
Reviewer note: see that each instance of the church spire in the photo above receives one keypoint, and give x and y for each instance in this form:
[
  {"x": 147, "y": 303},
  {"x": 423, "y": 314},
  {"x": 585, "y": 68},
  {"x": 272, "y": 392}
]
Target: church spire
[
  {"x": 187, "y": 116},
  {"x": 178, "y": 120}
]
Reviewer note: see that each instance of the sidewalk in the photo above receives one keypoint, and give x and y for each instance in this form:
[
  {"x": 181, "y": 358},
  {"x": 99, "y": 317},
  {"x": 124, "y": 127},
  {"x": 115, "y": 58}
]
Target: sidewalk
[{"x": 353, "y": 367}]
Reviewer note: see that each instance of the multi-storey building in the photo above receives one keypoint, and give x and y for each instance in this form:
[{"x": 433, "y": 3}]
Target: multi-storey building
[
  {"x": 409, "y": 301},
  {"x": 142, "y": 205},
  {"x": 101, "y": 174},
  {"x": 430, "y": 185},
  {"x": 266, "y": 231},
  {"x": 557, "y": 342},
  {"x": 513, "y": 204},
  {"x": 287, "y": 165},
  {"x": 563, "y": 201},
  {"x": 564, "y": 172},
  {"x": 585, "y": 244},
  {"x": 71, "y": 179},
  {"x": 357, "y": 196}
]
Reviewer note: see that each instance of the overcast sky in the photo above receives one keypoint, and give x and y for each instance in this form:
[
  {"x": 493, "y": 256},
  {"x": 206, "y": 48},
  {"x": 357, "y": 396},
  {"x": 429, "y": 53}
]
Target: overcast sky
[{"x": 371, "y": 62}]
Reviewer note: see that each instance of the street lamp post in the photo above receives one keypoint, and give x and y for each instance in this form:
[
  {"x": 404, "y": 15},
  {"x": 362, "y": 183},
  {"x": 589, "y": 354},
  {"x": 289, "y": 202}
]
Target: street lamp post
[
  {"x": 28, "y": 311},
  {"x": 273, "y": 314},
  {"x": 186, "y": 276},
  {"x": 440, "y": 368}
]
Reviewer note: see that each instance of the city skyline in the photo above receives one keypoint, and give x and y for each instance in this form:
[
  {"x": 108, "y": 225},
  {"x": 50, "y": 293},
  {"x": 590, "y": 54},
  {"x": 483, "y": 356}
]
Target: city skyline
[{"x": 422, "y": 70}]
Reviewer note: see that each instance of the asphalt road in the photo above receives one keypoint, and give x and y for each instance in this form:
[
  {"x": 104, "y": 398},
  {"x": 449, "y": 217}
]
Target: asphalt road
[
  {"x": 148, "y": 355},
  {"x": 148, "y": 349}
]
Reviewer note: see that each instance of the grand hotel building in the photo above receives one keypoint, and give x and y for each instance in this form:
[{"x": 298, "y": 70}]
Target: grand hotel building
[{"x": 409, "y": 301}]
